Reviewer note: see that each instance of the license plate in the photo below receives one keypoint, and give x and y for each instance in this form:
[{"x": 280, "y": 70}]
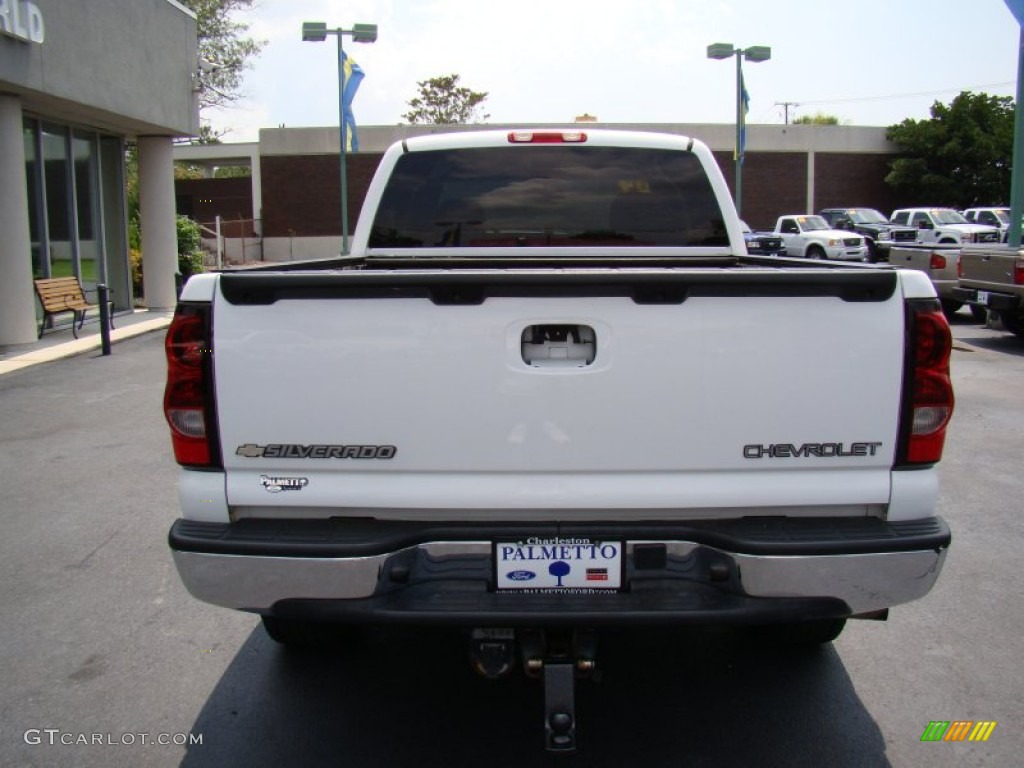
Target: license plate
[
  {"x": 558, "y": 564},
  {"x": 983, "y": 297}
]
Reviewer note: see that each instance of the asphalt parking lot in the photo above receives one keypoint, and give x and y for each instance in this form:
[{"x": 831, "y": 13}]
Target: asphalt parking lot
[{"x": 101, "y": 647}]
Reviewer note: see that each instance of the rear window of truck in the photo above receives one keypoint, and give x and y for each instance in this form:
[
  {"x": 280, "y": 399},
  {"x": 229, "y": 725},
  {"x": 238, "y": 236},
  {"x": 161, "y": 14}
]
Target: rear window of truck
[{"x": 548, "y": 196}]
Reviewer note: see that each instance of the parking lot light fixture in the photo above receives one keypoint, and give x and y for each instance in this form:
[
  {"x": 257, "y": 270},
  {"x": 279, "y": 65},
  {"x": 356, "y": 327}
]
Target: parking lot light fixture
[
  {"x": 317, "y": 32},
  {"x": 720, "y": 50},
  {"x": 314, "y": 32},
  {"x": 756, "y": 54}
]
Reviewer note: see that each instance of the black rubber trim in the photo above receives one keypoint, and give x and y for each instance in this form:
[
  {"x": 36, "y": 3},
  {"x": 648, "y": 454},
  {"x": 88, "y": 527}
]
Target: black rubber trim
[
  {"x": 362, "y": 537},
  {"x": 452, "y": 286},
  {"x": 669, "y": 604}
]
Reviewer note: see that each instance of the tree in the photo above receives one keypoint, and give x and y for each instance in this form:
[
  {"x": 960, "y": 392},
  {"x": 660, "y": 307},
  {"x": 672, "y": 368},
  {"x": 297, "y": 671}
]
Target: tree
[
  {"x": 226, "y": 54},
  {"x": 818, "y": 118},
  {"x": 223, "y": 48},
  {"x": 961, "y": 157},
  {"x": 441, "y": 101}
]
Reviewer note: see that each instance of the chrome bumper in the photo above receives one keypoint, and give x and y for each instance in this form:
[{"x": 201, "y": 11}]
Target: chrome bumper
[{"x": 862, "y": 581}]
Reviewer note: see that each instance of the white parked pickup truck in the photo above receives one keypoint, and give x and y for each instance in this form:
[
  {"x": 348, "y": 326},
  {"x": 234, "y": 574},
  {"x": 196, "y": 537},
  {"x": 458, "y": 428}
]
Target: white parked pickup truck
[
  {"x": 549, "y": 393},
  {"x": 944, "y": 225},
  {"x": 814, "y": 238}
]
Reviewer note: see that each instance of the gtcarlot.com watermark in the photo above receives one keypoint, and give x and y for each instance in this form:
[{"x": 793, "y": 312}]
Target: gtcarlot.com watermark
[{"x": 55, "y": 736}]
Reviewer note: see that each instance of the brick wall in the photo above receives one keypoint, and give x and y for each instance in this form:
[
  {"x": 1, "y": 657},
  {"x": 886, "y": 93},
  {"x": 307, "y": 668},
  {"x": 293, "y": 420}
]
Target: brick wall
[
  {"x": 302, "y": 193},
  {"x": 301, "y": 196},
  {"x": 774, "y": 184},
  {"x": 855, "y": 181},
  {"x": 203, "y": 199}
]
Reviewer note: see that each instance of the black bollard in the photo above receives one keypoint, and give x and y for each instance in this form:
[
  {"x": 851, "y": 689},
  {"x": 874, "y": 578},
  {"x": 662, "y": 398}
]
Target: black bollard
[{"x": 102, "y": 295}]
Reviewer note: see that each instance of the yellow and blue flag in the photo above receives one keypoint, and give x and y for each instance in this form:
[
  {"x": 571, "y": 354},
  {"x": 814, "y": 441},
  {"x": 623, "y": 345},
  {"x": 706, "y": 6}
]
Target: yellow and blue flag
[
  {"x": 742, "y": 148},
  {"x": 353, "y": 76}
]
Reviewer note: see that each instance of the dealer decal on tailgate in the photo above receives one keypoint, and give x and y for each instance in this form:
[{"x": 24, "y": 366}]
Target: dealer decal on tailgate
[{"x": 572, "y": 565}]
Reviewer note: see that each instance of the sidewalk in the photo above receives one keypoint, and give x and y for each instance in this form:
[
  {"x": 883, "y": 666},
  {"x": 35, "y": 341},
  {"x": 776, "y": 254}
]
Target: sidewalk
[{"x": 61, "y": 343}]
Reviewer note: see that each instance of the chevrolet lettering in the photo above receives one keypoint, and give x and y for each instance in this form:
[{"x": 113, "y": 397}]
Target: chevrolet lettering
[{"x": 806, "y": 450}]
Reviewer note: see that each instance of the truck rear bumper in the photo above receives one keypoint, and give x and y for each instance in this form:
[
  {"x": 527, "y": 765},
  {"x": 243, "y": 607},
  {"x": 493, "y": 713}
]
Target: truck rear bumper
[
  {"x": 1001, "y": 302},
  {"x": 739, "y": 571}
]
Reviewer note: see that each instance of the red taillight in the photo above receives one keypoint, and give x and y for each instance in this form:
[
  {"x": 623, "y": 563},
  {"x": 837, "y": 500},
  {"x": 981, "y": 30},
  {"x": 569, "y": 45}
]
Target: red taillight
[
  {"x": 1018, "y": 270},
  {"x": 928, "y": 393},
  {"x": 186, "y": 397},
  {"x": 938, "y": 261},
  {"x": 547, "y": 137}
]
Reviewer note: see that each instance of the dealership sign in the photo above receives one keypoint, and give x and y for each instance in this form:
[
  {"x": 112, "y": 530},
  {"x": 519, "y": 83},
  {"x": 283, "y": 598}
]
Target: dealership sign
[{"x": 22, "y": 19}]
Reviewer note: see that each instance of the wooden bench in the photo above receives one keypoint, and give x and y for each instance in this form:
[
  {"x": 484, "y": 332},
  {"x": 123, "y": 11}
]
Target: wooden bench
[{"x": 65, "y": 294}]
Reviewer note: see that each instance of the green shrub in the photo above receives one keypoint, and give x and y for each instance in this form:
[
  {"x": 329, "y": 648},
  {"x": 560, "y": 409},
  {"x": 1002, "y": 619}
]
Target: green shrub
[
  {"x": 190, "y": 263},
  {"x": 135, "y": 260},
  {"x": 189, "y": 236},
  {"x": 190, "y": 255}
]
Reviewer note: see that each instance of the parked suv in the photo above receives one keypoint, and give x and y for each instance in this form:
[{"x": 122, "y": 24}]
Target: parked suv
[
  {"x": 878, "y": 232},
  {"x": 943, "y": 225}
]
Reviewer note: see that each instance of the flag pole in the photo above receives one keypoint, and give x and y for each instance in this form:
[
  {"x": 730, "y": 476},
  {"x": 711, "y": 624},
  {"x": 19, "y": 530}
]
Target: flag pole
[
  {"x": 344, "y": 148},
  {"x": 739, "y": 130}
]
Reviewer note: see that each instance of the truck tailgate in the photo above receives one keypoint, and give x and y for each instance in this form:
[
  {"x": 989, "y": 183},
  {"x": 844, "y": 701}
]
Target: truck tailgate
[
  {"x": 989, "y": 267},
  {"x": 702, "y": 393}
]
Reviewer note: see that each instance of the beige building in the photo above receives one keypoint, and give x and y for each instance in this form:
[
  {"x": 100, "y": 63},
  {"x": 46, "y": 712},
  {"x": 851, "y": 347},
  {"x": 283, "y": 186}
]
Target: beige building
[{"x": 77, "y": 81}]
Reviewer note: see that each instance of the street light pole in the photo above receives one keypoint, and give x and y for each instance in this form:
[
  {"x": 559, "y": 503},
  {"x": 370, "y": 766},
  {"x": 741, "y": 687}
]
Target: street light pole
[
  {"x": 755, "y": 53},
  {"x": 740, "y": 124},
  {"x": 316, "y": 32},
  {"x": 344, "y": 145}
]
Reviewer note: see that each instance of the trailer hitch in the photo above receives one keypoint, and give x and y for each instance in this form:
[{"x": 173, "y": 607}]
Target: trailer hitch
[{"x": 558, "y": 658}]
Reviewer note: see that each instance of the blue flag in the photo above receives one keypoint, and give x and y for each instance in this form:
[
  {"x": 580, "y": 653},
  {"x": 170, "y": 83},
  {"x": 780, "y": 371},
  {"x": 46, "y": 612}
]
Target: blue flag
[
  {"x": 741, "y": 149},
  {"x": 353, "y": 75}
]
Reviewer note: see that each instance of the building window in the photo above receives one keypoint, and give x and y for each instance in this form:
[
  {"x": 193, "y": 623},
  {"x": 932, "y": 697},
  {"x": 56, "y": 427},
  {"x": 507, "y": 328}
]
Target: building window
[
  {"x": 40, "y": 265},
  {"x": 75, "y": 180},
  {"x": 84, "y": 208},
  {"x": 58, "y": 208},
  {"x": 84, "y": 149}
]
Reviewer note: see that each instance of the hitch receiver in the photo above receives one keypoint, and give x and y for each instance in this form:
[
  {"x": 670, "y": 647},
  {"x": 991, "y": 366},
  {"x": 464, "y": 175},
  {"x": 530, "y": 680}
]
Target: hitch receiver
[{"x": 560, "y": 707}]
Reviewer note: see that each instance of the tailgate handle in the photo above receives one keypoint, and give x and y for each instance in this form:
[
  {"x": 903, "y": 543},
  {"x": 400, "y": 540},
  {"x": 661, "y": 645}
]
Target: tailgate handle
[{"x": 559, "y": 346}]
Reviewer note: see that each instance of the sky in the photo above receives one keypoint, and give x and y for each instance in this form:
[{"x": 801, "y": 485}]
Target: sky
[{"x": 870, "y": 62}]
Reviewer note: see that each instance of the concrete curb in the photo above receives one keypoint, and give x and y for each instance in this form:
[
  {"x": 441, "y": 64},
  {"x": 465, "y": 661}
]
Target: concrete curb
[{"x": 82, "y": 345}]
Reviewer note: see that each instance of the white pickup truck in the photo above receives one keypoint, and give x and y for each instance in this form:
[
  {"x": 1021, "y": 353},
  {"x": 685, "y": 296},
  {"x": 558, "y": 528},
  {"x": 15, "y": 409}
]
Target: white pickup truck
[
  {"x": 944, "y": 225},
  {"x": 548, "y": 393},
  {"x": 814, "y": 238}
]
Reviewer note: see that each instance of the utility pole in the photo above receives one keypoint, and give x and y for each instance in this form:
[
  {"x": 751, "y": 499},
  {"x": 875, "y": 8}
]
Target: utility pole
[{"x": 786, "y": 105}]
